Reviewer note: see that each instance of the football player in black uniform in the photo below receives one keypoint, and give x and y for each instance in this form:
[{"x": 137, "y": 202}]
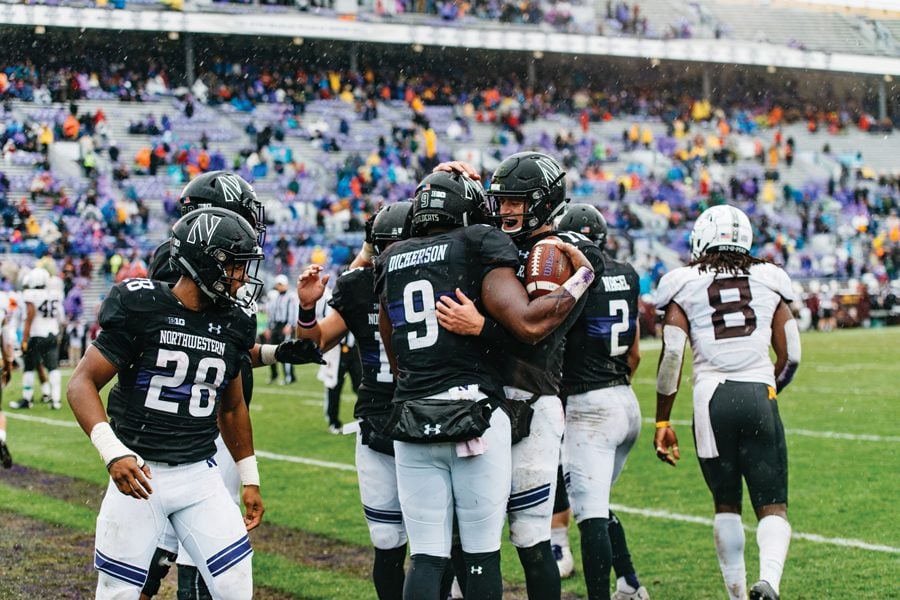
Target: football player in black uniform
[
  {"x": 527, "y": 192},
  {"x": 177, "y": 353},
  {"x": 231, "y": 192},
  {"x": 452, "y": 447},
  {"x": 603, "y": 419},
  {"x": 356, "y": 310}
]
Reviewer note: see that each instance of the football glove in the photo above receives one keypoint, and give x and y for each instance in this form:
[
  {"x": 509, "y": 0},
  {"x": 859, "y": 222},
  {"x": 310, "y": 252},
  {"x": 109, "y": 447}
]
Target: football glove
[{"x": 298, "y": 352}]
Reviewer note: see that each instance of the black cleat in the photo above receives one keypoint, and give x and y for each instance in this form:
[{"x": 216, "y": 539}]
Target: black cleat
[
  {"x": 763, "y": 590},
  {"x": 23, "y": 403},
  {"x": 45, "y": 398},
  {"x": 5, "y": 456}
]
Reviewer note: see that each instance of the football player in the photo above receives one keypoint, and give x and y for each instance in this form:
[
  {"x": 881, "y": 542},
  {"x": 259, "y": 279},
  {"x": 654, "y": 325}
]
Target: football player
[
  {"x": 231, "y": 192},
  {"x": 527, "y": 192},
  {"x": 40, "y": 334},
  {"x": 177, "y": 351},
  {"x": 356, "y": 310},
  {"x": 6, "y": 367},
  {"x": 732, "y": 306},
  {"x": 452, "y": 447},
  {"x": 603, "y": 419}
]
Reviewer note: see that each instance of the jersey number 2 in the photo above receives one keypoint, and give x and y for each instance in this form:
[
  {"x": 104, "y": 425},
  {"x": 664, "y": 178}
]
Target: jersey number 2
[
  {"x": 199, "y": 406},
  {"x": 738, "y": 293}
]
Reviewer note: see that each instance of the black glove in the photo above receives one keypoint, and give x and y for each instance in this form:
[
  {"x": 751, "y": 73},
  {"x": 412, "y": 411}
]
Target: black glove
[
  {"x": 369, "y": 222},
  {"x": 298, "y": 352}
]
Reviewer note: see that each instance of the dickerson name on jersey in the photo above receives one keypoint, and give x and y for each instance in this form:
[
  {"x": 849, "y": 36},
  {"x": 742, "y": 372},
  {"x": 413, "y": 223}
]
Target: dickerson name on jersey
[
  {"x": 194, "y": 342},
  {"x": 418, "y": 257}
]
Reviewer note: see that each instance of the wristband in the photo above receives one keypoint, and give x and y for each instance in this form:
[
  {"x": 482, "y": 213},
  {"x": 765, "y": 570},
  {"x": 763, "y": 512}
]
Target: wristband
[
  {"x": 306, "y": 318},
  {"x": 109, "y": 446},
  {"x": 662, "y": 424},
  {"x": 267, "y": 354},
  {"x": 248, "y": 470},
  {"x": 579, "y": 283}
]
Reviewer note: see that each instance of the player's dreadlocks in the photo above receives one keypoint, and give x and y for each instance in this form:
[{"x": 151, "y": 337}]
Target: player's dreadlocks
[{"x": 733, "y": 263}]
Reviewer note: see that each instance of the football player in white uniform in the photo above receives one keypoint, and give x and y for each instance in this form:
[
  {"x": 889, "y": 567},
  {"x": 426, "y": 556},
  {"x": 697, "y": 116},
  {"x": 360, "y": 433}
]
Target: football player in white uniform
[
  {"x": 6, "y": 367},
  {"x": 40, "y": 344},
  {"x": 732, "y": 307}
]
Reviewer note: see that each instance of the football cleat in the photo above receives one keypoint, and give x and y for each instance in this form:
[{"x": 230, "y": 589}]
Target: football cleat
[
  {"x": 639, "y": 594},
  {"x": 564, "y": 560},
  {"x": 23, "y": 403},
  {"x": 45, "y": 398},
  {"x": 56, "y": 406},
  {"x": 763, "y": 590},
  {"x": 5, "y": 456}
]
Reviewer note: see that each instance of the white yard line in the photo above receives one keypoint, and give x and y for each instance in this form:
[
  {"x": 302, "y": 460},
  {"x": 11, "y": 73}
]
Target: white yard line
[{"x": 644, "y": 512}]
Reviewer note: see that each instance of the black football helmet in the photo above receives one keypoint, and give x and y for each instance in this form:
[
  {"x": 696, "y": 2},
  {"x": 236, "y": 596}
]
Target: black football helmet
[
  {"x": 392, "y": 223},
  {"x": 446, "y": 200},
  {"x": 535, "y": 178},
  {"x": 586, "y": 220},
  {"x": 225, "y": 190},
  {"x": 206, "y": 243}
]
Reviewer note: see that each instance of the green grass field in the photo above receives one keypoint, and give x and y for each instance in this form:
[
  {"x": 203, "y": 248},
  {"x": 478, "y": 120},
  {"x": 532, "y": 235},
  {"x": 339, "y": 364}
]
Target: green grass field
[{"x": 844, "y": 455}]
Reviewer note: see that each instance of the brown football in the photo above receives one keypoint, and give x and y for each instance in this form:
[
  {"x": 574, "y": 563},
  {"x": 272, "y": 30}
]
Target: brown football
[{"x": 547, "y": 268}]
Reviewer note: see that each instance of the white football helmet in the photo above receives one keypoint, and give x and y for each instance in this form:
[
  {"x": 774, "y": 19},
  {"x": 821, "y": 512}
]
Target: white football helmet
[
  {"x": 37, "y": 278},
  {"x": 721, "y": 227}
]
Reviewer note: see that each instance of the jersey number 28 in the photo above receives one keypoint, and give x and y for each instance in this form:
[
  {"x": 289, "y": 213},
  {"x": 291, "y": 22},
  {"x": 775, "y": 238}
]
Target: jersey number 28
[{"x": 200, "y": 405}]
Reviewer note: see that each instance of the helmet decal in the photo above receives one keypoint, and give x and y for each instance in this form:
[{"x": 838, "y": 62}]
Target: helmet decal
[{"x": 203, "y": 228}]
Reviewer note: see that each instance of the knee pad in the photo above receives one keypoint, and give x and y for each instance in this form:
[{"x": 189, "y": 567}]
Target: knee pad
[
  {"x": 527, "y": 529},
  {"x": 386, "y": 537},
  {"x": 110, "y": 588},
  {"x": 236, "y": 583}
]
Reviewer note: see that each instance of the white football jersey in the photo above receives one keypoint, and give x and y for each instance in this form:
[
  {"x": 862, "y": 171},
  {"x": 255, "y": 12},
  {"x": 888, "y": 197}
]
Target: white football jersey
[
  {"x": 730, "y": 319},
  {"x": 48, "y": 309}
]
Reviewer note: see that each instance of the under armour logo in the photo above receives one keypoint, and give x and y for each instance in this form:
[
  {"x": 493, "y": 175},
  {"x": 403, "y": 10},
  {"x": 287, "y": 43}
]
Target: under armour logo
[
  {"x": 432, "y": 429},
  {"x": 217, "y": 329},
  {"x": 476, "y": 570}
]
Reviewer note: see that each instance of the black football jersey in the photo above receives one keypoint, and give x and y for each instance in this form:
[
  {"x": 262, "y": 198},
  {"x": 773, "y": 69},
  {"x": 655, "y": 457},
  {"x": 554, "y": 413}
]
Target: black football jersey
[
  {"x": 597, "y": 345},
  {"x": 354, "y": 298},
  {"x": 174, "y": 363},
  {"x": 161, "y": 268},
  {"x": 410, "y": 278},
  {"x": 538, "y": 368}
]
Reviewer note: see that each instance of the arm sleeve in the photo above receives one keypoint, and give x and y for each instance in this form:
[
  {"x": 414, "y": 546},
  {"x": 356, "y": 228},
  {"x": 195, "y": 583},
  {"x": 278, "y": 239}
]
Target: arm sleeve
[
  {"x": 116, "y": 341},
  {"x": 341, "y": 295},
  {"x": 497, "y": 250}
]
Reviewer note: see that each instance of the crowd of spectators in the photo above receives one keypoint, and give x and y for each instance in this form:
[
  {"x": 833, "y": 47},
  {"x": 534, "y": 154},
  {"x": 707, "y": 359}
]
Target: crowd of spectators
[{"x": 315, "y": 206}]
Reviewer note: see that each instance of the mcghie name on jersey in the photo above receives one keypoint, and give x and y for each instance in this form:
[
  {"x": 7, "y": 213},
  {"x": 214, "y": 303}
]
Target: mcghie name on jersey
[
  {"x": 418, "y": 257},
  {"x": 194, "y": 342}
]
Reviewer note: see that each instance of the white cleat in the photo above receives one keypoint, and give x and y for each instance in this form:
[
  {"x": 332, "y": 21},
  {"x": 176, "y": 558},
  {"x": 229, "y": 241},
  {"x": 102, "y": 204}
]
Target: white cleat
[{"x": 639, "y": 594}]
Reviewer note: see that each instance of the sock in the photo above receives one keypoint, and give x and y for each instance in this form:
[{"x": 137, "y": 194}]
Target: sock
[
  {"x": 27, "y": 385},
  {"x": 423, "y": 582},
  {"x": 559, "y": 536},
  {"x": 2, "y": 435},
  {"x": 483, "y": 579},
  {"x": 457, "y": 557},
  {"x": 45, "y": 388},
  {"x": 191, "y": 585},
  {"x": 627, "y": 579},
  {"x": 596, "y": 557},
  {"x": 387, "y": 572},
  {"x": 160, "y": 564},
  {"x": 55, "y": 378},
  {"x": 728, "y": 532},
  {"x": 773, "y": 535},
  {"x": 541, "y": 573}
]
